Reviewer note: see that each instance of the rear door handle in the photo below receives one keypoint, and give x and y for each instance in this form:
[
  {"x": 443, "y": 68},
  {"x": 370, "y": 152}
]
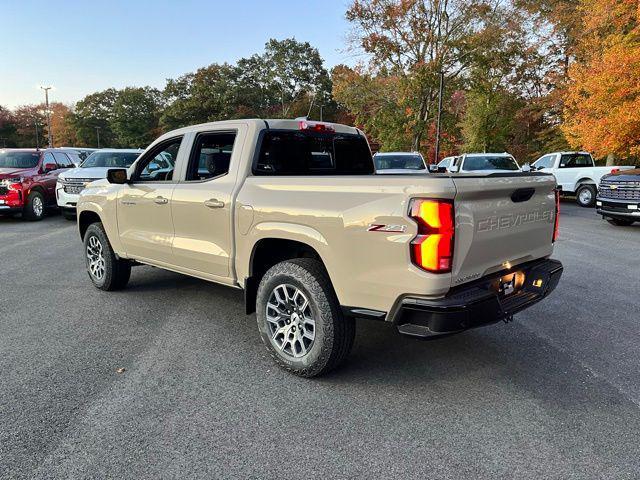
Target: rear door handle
[
  {"x": 161, "y": 200},
  {"x": 213, "y": 203}
]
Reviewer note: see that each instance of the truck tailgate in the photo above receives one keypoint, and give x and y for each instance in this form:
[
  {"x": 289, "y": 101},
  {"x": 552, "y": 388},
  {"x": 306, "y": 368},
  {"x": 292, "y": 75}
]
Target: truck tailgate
[{"x": 502, "y": 220}]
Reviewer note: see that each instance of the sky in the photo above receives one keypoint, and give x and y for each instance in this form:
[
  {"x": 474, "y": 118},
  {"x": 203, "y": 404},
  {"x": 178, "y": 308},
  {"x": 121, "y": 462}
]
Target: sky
[{"x": 83, "y": 47}]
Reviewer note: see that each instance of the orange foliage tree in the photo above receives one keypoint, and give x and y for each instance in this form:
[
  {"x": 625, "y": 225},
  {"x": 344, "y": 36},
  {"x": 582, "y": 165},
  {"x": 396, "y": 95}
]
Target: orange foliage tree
[{"x": 602, "y": 103}]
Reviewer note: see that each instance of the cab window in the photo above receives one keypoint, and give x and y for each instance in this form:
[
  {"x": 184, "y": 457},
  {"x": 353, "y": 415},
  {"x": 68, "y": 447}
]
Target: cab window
[
  {"x": 544, "y": 162},
  {"x": 62, "y": 160},
  {"x": 576, "y": 160},
  {"x": 158, "y": 164},
  {"x": 210, "y": 156}
]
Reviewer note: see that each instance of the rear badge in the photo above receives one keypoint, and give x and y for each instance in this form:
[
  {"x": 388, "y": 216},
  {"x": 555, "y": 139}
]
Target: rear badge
[{"x": 377, "y": 227}]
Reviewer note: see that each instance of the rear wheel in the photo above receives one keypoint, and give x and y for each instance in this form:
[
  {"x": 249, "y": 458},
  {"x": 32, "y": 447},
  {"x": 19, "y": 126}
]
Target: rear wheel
[
  {"x": 34, "y": 208},
  {"x": 105, "y": 269},
  {"x": 300, "y": 320},
  {"x": 619, "y": 222},
  {"x": 586, "y": 195}
]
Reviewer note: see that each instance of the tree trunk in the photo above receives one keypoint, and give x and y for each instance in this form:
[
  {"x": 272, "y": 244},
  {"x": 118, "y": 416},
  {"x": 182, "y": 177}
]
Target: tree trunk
[{"x": 611, "y": 160}]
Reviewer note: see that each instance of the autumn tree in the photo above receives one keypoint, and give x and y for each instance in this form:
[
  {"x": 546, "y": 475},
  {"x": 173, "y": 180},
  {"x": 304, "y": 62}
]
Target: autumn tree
[
  {"x": 64, "y": 133},
  {"x": 602, "y": 112},
  {"x": 409, "y": 42}
]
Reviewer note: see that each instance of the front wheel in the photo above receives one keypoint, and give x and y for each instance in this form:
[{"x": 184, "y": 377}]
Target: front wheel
[
  {"x": 105, "y": 269},
  {"x": 619, "y": 222},
  {"x": 34, "y": 207},
  {"x": 586, "y": 195},
  {"x": 300, "y": 320}
]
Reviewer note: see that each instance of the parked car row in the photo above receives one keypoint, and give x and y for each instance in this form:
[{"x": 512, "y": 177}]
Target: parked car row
[{"x": 33, "y": 180}]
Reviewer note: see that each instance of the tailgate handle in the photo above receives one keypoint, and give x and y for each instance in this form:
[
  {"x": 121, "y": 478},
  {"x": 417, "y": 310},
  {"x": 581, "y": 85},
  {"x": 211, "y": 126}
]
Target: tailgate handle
[{"x": 522, "y": 194}]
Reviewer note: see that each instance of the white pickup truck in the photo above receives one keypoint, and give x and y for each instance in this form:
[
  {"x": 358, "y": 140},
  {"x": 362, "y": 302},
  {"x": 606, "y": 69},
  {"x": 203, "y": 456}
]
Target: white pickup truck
[{"x": 576, "y": 174}]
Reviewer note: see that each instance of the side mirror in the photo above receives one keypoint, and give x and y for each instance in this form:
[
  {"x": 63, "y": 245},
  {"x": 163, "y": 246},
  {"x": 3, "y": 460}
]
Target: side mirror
[
  {"x": 117, "y": 176},
  {"x": 433, "y": 168},
  {"x": 50, "y": 167},
  {"x": 454, "y": 169}
]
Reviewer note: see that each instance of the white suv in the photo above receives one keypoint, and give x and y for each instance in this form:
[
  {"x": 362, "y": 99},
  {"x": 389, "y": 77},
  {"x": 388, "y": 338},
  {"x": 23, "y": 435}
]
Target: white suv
[{"x": 95, "y": 167}]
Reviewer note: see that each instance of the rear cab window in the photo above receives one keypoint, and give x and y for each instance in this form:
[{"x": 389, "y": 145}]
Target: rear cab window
[
  {"x": 576, "y": 160},
  {"x": 490, "y": 162},
  {"x": 291, "y": 152}
]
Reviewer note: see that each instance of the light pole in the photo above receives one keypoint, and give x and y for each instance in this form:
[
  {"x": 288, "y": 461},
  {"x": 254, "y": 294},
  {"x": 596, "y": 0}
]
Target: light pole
[
  {"x": 439, "y": 117},
  {"x": 46, "y": 100},
  {"x": 35, "y": 122},
  {"x": 98, "y": 135}
]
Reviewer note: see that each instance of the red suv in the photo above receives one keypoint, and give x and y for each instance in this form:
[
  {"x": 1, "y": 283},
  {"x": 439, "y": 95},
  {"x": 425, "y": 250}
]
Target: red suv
[{"x": 28, "y": 179}]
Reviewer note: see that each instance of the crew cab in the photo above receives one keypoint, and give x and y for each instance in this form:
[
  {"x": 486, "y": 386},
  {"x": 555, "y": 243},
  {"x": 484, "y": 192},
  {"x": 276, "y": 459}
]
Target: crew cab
[
  {"x": 576, "y": 174},
  {"x": 28, "y": 180},
  {"x": 94, "y": 167},
  {"x": 292, "y": 213},
  {"x": 618, "y": 199}
]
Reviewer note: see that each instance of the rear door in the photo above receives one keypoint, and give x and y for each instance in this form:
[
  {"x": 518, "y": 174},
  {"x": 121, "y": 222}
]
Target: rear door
[
  {"x": 144, "y": 205},
  {"x": 202, "y": 206},
  {"x": 501, "y": 220}
]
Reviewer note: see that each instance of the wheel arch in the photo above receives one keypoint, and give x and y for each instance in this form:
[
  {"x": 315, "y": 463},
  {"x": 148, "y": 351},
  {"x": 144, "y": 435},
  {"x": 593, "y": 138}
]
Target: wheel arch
[
  {"x": 269, "y": 251},
  {"x": 86, "y": 218}
]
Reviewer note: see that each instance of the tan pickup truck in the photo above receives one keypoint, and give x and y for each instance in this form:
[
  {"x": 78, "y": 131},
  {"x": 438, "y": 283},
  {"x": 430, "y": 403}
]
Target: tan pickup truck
[{"x": 293, "y": 213}]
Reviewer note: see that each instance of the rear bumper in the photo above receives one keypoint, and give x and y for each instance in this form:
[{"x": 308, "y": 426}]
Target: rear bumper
[
  {"x": 625, "y": 209},
  {"x": 476, "y": 304}
]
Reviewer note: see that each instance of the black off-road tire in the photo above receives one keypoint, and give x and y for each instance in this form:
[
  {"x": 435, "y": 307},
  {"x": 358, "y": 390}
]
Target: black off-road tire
[
  {"x": 34, "y": 208},
  {"x": 334, "y": 333},
  {"x": 592, "y": 200},
  {"x": 619, "y": 222},
  {"x": 116, "y": 271}
]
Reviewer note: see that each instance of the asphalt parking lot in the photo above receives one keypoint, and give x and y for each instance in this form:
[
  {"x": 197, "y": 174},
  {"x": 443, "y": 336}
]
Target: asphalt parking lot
[{"x": 555, "y": 394}]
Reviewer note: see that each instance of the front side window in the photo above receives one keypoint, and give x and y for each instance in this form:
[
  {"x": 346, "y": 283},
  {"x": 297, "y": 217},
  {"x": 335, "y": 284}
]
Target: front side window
[
  {"x": 291, "y": 152},
  {"x": 490, "y": 162},
  {"x": 10, "y": 159},
  {"x": 159, "y": 163},
  {"x": 110, "y": 159},
  {"x": 210, "y": 156},
  {"x": 399, "y": 162},
  {"x": 576, "y": 160},
  {"x": 62, "y": 160},
  {"x": 544, "y": 162}
]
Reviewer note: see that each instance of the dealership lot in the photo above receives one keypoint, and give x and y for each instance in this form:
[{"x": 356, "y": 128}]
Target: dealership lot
[{"x": 555, "y": 394}]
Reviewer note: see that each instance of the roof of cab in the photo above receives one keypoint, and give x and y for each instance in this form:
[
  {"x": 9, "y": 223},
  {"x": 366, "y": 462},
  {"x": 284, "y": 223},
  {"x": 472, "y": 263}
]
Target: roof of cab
[{"x": 260, "y": 123}]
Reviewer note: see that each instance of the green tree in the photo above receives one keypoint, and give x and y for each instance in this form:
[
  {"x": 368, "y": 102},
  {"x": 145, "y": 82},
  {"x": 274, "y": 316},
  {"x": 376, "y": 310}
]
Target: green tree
[
  {"x": 135, "y": 116},
  {"x": 95, "y": 112}
]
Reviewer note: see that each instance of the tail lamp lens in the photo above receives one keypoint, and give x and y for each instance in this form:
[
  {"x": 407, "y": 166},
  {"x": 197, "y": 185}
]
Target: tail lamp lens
[
  {"x": 432, "y": 248},
  {"x": 556, "y": 224}
]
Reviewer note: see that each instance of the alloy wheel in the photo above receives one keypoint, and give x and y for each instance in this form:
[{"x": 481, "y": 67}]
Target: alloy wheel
[
  {"x": 95, "y": 258},
  {"x": 290, "y": 322},
  {"x": 38, "y": 207}
]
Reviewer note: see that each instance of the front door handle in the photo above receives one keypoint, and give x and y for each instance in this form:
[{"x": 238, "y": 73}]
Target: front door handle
[
  {"x": 161, "y": 200},
  {"x": 213, "y": 203}
]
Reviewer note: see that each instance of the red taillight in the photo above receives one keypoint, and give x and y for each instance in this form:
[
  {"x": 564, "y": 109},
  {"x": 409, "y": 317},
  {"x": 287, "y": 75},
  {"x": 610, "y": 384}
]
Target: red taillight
[
  {"x": 432, "y": 248},
  {"x": 556, "y": 225},
  {"x": 315, "y": 127},
  {"x": 614, "y": 170}
]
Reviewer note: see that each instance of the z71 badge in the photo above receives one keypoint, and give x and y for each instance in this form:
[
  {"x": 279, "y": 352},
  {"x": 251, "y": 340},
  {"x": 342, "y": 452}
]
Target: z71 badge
[{"x": 377, "y": 227}]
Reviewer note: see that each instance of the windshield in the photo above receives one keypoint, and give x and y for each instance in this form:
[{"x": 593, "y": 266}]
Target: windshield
[
  {"x": 110, "y": 159},
  {"x": 489, "y": 162},
  {"x": 398, "y": 162},
  {"x": 9, "y": 159}
]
